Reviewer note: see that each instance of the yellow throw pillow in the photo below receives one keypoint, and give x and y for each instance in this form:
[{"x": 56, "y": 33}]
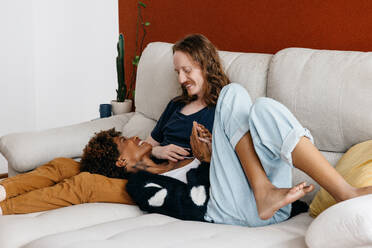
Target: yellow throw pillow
[{"x": 355, "y": 166}]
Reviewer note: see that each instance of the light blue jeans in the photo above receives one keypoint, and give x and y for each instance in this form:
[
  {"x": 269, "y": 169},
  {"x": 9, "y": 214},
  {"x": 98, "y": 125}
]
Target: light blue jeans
[{"x": 275, "y": 133}]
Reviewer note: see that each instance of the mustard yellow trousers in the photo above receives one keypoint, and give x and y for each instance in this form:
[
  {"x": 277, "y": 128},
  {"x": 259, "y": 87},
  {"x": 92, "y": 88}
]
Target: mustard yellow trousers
[{"x": 59, "y": 183}]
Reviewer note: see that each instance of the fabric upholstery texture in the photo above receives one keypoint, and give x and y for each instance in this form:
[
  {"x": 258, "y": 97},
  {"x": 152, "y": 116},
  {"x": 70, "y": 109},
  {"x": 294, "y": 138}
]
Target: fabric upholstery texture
[
  {"x": 330, "y": 92},
  {"x": 138, "y": 120},
  {"x": 25, "y": 151},
  {"x": 356, "y": 167},
  {"x": 154, "y": 230},
  {"x": 347, "y": 224},
  {"x": 19, "y": 230}
]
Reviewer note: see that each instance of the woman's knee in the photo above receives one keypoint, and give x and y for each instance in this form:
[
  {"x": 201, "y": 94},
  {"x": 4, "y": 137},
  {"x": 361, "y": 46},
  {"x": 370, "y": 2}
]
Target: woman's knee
[
  {"x": 265, "y": 104},
  {"x": 265, "y": 107},
  {"x": 269, "y": 119},
  {"x": 232, "y": 110},
  {"x": 233, "y": 91},
  {"x": 233, "y": 98}
]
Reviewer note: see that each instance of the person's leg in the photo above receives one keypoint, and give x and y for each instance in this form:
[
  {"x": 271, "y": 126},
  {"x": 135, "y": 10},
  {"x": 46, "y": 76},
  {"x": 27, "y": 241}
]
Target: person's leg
[
  {"x": 232, "y": 200},
  {"x": 269, "y": 198},
  {"x": 82, "y": 188},
  {"x": 308, "y": 158},
  {"x": 44, "y": 176},
  {"x": 265, "y": 154}
]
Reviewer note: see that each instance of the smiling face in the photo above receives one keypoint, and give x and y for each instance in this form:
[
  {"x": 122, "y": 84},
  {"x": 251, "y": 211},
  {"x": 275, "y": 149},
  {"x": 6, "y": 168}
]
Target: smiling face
[
  {"x": 132, "y": 151},
  {"x": 190, "y": 74}
]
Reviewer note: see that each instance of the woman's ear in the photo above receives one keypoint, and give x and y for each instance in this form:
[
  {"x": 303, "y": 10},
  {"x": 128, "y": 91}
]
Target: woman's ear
[{"x": 121, "y": 162}]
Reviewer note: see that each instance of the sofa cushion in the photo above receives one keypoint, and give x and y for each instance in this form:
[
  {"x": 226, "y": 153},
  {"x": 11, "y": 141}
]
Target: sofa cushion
[
  {"x": 356, "y": 167},
  {"x": 156, "y": 81},
  {"x": 28, "y": 150},
  {"x": 18, "y": 230},
  {"x": 347, "y": 224},
  {"x": 330, "y": 92},
  {"x": 139, "y": 125},
  {"x": 155, "y": 230}
]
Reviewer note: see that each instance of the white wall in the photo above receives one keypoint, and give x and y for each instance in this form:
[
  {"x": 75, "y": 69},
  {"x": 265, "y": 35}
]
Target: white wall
[{"x": 57, "y": 62}]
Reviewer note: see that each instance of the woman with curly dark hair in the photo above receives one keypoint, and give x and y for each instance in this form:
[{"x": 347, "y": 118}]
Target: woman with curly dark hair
[
  {"x": 60, "y": 182},
  {"x": 100, "y": 155},
  {"x": 108, "y": 156}
]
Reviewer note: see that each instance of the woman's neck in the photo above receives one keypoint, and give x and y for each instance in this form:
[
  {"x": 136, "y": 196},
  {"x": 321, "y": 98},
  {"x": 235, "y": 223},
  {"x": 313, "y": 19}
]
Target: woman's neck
[{"x": 193, "y": 107}]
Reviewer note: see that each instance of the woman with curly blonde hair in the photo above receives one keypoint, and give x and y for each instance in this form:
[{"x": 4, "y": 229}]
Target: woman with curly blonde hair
[{"x": 205, "y": 54}]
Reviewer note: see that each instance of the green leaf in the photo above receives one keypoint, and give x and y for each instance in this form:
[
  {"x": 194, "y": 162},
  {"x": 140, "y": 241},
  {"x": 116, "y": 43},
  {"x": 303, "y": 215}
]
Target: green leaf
[
  {"x": 147, "y": 24},
  {"x": 142, "y": 4},
  {"x": 135, "y": 61}
]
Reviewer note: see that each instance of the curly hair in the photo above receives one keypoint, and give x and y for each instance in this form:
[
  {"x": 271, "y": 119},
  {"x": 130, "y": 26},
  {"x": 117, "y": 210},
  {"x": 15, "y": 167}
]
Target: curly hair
[
  {"x": 100, "y": 155},
  {"x": 202, "y": 51}
]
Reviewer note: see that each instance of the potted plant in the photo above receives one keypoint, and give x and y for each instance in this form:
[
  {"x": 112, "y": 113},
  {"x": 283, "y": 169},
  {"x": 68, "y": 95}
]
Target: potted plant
[
  {"x": 141, "y": 24},
  {"x": 121, "y": 104}
]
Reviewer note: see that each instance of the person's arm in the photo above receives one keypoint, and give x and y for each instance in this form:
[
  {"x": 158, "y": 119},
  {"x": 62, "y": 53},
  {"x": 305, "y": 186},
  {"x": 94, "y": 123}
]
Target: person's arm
[
  {"x": 151, "y": 141},
  {"x": 149, "y": 166},
  {"x": 170, "y": 152}
]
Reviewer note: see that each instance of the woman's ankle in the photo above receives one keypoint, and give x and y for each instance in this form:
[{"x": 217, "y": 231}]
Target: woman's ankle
[
  {"x": 263, "y": 189},
  {"x": 359, "y": 192},
  {"x": 347, "y": 194}
]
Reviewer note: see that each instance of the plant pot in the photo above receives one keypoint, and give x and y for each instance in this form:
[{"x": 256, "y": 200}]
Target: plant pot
[{"x": 121, "y": 107}]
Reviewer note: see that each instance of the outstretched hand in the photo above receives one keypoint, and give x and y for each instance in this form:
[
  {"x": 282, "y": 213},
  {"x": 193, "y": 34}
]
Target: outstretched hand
[
  {"x": 201, "y": 142},
  {"x": 170, "y": 152}
]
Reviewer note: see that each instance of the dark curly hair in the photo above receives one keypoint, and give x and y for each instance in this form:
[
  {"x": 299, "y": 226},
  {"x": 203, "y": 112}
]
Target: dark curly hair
[
  {"x": 100, "y": 155},
  {"x": 205, "y": 54}
]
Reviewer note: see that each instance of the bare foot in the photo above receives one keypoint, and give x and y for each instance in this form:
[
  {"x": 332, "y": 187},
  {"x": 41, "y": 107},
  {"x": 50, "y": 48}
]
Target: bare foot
[{"x": 272, "y": 200}]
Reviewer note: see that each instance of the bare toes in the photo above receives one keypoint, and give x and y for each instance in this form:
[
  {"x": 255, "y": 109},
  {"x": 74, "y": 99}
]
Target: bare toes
[
  {"x": 309, "y": 188},
  {"x": 298, "y": 187}
]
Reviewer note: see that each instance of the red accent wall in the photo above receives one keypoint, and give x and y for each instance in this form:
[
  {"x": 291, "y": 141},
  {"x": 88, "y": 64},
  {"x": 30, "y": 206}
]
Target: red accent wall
[{"x": 263, "y": 26}]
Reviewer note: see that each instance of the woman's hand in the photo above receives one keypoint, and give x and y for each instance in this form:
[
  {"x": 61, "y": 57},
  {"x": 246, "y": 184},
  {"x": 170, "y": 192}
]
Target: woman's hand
[
  {"x": 201, "y": 142},
  {"x": 170, "y": 152}
]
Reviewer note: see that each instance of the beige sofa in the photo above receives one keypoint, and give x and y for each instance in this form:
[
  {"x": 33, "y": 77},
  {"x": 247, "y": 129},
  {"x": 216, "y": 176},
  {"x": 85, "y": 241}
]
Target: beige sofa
[{"x": 330, "y": 92}]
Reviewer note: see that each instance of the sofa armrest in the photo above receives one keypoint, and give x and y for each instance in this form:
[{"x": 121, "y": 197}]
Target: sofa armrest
[{"x": 28, "y": 150}]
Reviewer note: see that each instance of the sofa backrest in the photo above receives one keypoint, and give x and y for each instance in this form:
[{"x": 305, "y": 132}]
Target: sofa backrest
[
  {"x": 157, "y": 80},
  {"x": 330, "y": 92}
]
